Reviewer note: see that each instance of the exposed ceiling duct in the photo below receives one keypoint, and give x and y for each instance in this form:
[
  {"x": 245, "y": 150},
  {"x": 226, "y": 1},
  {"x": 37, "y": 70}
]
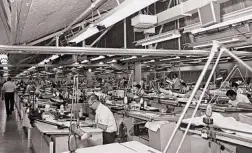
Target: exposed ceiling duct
[{"x": 124, "y": 10}]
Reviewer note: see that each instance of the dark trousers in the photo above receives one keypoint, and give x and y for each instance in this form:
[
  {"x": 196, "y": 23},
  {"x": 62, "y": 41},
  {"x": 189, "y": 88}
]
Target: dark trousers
[
  {"x": 9, "y": 102},
  {"x": 109, "y": 137}
]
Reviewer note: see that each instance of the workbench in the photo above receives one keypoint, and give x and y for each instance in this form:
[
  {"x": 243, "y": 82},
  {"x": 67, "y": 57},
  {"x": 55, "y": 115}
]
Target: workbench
[
  {"x": 127, "y": 147},
  {"x": 48, "y": 139}
]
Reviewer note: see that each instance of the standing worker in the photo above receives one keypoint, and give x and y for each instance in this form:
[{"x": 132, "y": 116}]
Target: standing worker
[
  {"x": 8, "y": 91},
  {"x": 104, "y": 119}
]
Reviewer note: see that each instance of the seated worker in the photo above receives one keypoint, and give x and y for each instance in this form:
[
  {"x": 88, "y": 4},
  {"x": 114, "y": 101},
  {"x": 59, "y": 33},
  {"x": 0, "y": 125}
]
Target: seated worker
[
  {"x": 139, "y": 90},
  {"x": 175, "y": 82},
  {"x": 236, "y": 98},
  {"x": 104, "y": 119},
  {"x": 235, "y": 87},
  {"x": 184, "y": 87}
]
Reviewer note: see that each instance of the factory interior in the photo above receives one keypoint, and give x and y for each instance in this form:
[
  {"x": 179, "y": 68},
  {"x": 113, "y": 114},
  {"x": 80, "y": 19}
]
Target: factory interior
[{"x": 128, "y": 76}]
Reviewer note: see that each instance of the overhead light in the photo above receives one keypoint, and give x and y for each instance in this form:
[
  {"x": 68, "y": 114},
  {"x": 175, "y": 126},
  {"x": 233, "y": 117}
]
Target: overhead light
[
  {"x": 113, "y": 61},
  {"x": 219, "y": 78},
  {"x": 167, "y": 59},
  {"x": 54, "y": 57},
  {"x": 60, "y": 67},
  {"x": 89, "y": 70},
  {"x": 97, "y": 58},
  {"x": 188, "y": 56},
  {"x": 122, "y": 11},
  {"x": 85, "y": 61},
  {"x": 46, "y": 60},
  {"x": 125, "y": 59},
  {"x": 222, "y": 42},
  {"x": 145, "y": 55},
  {"x": 151, "y": 61},
  {"x": 110, "y": 55},
  {"x": 101, "y": 63},
  {"x": 159, "y": 38},
  {"x": 88, "y": 32}
]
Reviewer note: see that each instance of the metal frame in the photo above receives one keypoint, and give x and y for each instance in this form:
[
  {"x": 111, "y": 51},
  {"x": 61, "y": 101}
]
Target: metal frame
[
  {"x": 215, "y": 49},
  {"x": 105, "y": 51}
]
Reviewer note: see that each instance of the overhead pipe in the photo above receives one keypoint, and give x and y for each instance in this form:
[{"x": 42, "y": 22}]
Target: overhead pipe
[{"x": 97, "y": 51}]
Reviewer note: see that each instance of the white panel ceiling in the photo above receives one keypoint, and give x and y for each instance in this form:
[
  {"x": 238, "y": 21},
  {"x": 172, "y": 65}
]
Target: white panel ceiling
[
  {"x": 48, "y": 16},
  {"x": 3, "y": 34}
]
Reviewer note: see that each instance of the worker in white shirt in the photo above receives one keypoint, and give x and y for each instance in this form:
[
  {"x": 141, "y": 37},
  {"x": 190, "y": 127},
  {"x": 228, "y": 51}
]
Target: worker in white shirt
[
  {"x": 236, "y": 98},
  {"x": 175, "y": 82},
  {"x": 8, "y": 90},
  {"x": 104, "y": 119},
  {"x": 235, "y": 87}
]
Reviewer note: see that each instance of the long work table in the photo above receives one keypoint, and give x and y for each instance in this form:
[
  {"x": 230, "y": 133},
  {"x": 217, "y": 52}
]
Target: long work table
[{"x": 49, "y": 139}]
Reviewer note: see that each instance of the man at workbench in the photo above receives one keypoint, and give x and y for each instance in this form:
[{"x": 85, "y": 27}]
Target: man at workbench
[
  {"x": 236, "y": 98},
  {"x": 104, "y": 119}
]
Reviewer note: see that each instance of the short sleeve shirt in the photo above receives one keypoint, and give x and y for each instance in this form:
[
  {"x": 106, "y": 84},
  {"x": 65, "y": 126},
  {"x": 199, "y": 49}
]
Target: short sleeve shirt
[
  {"x": 105, "y": 116},
  {"x": 239, "y": 99}
]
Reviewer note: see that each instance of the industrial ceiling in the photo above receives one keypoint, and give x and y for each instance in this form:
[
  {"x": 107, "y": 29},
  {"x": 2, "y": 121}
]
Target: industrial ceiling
[{"x": 39, "y": 22}]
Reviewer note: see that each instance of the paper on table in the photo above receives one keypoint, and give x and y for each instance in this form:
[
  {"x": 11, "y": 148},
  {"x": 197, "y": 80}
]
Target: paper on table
[
  {"x": 139, "y": 147},
  {"x": 110, "y": 148},
  {"x": 225, "y": 122},
  {"x": 155, "y": 125}
]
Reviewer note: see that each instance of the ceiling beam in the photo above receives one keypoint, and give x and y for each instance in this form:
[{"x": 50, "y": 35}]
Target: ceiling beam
[
  {"x": 23, "y": 15},
  {"x": 55, "y": 65},
  {"x": 97, "y": 51},
  {"x": 4, "y": 18},
  {"x": 14, "y": 20}
]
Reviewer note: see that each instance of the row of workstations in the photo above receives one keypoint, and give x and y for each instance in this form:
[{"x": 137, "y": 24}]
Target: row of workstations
[{"x": 152, "y": 129}]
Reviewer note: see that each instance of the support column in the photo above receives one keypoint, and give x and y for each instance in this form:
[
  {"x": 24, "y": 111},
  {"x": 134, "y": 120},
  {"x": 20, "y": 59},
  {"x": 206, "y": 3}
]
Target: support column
[
  {"x": 138, "y": 72},
  {"x": 125, "y": 32}
]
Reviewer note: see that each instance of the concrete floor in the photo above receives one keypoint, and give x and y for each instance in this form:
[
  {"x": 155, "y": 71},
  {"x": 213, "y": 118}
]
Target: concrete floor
[{"x": 12, "y": 136}]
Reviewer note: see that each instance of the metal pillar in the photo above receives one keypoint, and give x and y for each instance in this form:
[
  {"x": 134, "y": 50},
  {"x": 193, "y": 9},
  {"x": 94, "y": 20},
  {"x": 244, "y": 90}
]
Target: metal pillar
[
  {"x": 210, "y": 58},
  {"x": 125, "y": 32},
  {"x": 138, "y": 72},
  {"x": 199, "y": 101}
]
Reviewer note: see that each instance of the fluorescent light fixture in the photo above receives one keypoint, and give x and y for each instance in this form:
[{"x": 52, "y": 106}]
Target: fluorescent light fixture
[
  {"x": 110, "y": 55},
  {"x": 167, "y": 59},
  {"x": 54, "y": 57},
  {"x": 222, "y": 42},
  {"x": 46, "y": 60},
  {"x": 113, "y": 61},
  {"x": 223, "y": 24},
  {"x": 90, "y": 31},
  {"x": 122, "y": 11},
  {"x": 101, "y": 63},
  {"x": 85, "y": 61},
  {"x": 125, "y": 59},
  {"x": 159, "y": 38},
  {"x": 60, "y": 67},
  {"x": 151, "y": 61},
  {"x": 97, "y": 58}
]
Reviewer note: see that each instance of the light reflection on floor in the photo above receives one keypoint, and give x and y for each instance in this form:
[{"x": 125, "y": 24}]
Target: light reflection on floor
[{"x": 12, "y": 136}]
